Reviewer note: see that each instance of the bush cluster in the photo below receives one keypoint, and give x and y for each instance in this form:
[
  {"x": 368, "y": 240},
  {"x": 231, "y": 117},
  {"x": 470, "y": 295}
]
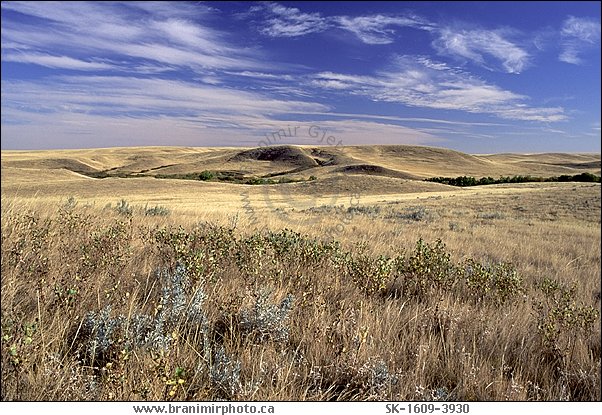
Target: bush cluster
[
  {"x": 113, "y": 307},
  {"x": 464, "y": 181}
]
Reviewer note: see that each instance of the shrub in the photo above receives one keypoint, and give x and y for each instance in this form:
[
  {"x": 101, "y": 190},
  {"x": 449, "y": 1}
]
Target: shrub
[
  {"x": 70, "y": 203},
  {"x": 101, "y": 334},
  {"x": 454, "y": 227},
  {"x": 428, "y": 268},
  {"x": 413, "y": 213},
  {"x": 498, "y": 283},
  {"x": 370, "y": 274},
  {"x": 491, "y": 215},
  {"x": 124, "y": 208},
  {"x": 224, "y": 373},
  {"x": 267, "y": 320},
  {"x": 372, "y": 381},
  {"x": 561, "y": 321},
  {"x": 206, "y": 175},
  {"x": 156, "y": 211},
  {"x": 190, "y": 330},
  {"x": 202, "y": 251},
  {"x": 372, "y": 211},
  {"x": 259, "y": 181},
  {"x": 376, "y": 378},
  {"x": 471, "y": 181}
]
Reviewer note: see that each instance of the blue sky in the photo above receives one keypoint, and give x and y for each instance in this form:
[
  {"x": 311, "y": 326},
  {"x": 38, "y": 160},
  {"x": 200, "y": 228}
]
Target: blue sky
[{"x": 479, "y": 77}]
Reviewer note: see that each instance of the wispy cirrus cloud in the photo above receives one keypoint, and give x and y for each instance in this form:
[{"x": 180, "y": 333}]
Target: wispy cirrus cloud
[
  {"x": 578, "y": 35},
  {"x": 160, "y": 34},
  {"x": 87, "y": 131},
  {"x": 420, "y": 82},
  {"x": 51, "y": 61},
  {"x": 410, "y": 119},
  {"x": 130, "y": 96},
  {"x": 186, "y": 73},
  {"x": 115, "y": 110},
  {"x": 290, "y": 21},
  {"x": 262, "y": 75},
  {"x": 150, "y": 110},
  {"x": 478, "y": 45},
  {"x": 377, "y": 29}
]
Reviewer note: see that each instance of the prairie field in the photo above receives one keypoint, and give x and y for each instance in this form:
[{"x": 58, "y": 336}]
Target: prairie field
[{"x": 298, "y": 273}]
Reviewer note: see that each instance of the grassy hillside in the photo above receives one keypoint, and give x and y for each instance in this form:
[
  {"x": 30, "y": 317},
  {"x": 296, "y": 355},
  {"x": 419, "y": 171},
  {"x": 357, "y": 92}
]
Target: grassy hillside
[
  {"x": 102, "y": 175},
  {"x": 365, "y": 283},
  {"x": 393, "y": 159}
]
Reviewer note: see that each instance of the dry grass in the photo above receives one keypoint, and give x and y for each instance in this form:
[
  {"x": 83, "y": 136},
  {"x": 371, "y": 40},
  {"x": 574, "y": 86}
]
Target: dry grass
[{"x": 378, "y": 317}]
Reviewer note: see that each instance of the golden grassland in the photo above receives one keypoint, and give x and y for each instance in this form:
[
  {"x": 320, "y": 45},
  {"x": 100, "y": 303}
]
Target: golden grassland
[{"x": 331, "y": 289}]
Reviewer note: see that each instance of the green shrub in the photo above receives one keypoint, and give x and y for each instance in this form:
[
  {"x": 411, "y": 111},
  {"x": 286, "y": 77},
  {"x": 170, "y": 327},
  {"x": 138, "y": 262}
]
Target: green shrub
[
  {"x": 496, "y": 284},
  {"x": 206, "y": 175},
  {"x": 463, "y": 181},
  {"x": 370, "y": 274},
  {"x": 428, "y": 269},
  {"x": 259, "y": 181},
  {"x": 204, "y": 326},
  {"x": 561, "y": 321}
]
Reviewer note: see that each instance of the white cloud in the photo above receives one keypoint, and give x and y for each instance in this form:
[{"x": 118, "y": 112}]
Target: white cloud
[
  {"x": 109, "y": 109},
  {"x": 477, "y": 45},
  {"x": 291, "y": 22},
  {"x": 262, "y": 75},
  {"x": 149, "y": 39},
  {"x": 186, "y": 33},
  {"x": 375, "y": 29},
  {"x": 129, "y": 96},
  {"x": 584, "y": 29},
  {"x": 330, "y": 84},
  {"x": 423, "y": 83},
  {"x": 64, "y": 62},
  {"x": 570, "y": 55},
  {"x": 355, "y": 132},
  {"x": 409, "y": 119},
  {"x": 165, "y": 35},
  {"x": 578, "y": 35},
  {"x": 331, "y": 80},
  {"x": 74, "y": 130},
  {"x": 84, "y": 111}
]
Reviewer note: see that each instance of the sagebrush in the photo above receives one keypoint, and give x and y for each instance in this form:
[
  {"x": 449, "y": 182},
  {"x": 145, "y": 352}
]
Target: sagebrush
[{"x": 115, "y": 304}]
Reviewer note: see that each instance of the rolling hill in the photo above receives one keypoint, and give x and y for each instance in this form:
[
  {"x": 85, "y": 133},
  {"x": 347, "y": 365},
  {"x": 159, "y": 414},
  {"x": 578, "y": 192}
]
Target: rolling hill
[{"x": 157, "y": 174}]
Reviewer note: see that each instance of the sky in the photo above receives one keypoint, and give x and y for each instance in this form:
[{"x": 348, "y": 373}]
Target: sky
[{"x": 478, "y": 77}]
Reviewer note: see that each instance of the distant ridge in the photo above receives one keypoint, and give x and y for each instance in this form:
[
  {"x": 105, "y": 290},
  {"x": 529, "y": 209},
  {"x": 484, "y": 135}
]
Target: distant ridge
[
  {"x": 285, "y": 154},
  {"x": 290, "y": 164},
  {"x": 371, "y": 169}
]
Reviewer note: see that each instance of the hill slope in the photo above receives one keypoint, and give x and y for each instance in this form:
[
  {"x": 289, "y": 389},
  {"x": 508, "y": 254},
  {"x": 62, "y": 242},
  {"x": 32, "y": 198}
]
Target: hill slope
[{"x": 155, "y": 173}]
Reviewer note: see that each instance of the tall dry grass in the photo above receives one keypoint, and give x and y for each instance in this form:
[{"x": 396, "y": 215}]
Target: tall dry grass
[{"x": 113, "y": 304}]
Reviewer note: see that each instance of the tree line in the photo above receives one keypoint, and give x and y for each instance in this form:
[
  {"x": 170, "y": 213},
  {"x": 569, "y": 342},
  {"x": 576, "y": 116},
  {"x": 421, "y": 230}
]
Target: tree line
[{"x": 464, "y": 181}]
